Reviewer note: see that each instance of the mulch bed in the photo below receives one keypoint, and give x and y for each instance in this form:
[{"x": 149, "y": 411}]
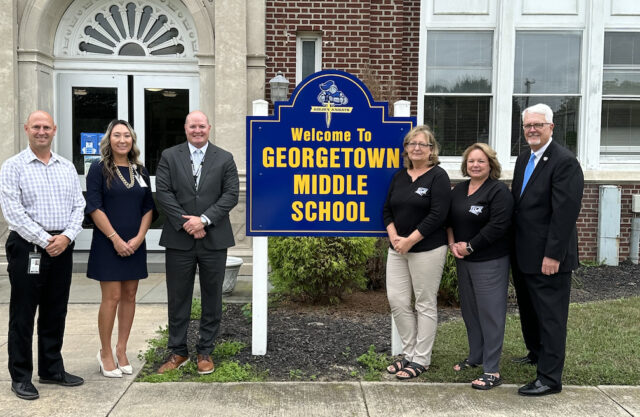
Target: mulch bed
[{"x": 321, "y": 343}]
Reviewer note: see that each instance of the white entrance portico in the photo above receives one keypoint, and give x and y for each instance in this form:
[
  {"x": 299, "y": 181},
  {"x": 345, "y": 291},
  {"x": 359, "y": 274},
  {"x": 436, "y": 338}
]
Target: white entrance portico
[{"x": 89, "y": 61}]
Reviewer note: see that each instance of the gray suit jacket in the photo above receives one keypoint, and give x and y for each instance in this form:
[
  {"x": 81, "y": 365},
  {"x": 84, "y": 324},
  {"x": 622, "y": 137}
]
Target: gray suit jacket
[{"x": 216, "y": 195}]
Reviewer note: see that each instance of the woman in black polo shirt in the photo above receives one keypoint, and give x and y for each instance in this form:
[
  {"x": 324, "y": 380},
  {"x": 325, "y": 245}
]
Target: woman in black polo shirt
[
  {"x": 415, "y": 213},
  {"x": 478, "y": 236}
]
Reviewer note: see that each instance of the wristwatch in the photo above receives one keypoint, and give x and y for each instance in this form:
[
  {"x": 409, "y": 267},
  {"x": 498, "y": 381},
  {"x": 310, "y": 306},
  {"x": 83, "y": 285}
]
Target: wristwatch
[
  {"x": 204, "y": 220},
  {"x": 469, "y": 248}
]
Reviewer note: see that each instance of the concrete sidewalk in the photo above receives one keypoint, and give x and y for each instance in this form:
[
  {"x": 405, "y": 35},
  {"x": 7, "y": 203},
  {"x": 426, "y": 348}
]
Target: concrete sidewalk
[{"x": 121, "y": 397}]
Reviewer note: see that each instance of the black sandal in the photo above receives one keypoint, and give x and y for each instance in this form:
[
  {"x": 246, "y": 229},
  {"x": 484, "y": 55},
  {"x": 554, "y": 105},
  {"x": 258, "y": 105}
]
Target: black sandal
[
  {"x": 464, "y": 365},
  {"x": 413, "y": 370},
  {"x": 489, "y": 380},
  {"x": 397, "y": 366}
]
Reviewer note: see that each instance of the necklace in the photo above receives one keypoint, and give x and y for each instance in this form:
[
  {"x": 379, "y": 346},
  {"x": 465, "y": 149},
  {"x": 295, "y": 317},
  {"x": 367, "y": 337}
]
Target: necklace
[{"x": 133, "y": 179}]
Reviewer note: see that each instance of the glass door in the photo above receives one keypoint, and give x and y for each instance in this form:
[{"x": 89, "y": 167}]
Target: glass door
[
  {"x": 86, "y": 105},
  {"x": 156, "y": 107},
  {"x": 161, "y": 105}
]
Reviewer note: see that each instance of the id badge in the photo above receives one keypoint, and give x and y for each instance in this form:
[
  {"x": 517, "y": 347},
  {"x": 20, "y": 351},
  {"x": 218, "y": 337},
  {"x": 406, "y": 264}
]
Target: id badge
[
  {"x": 141, "y": 181},
  {"x": 34, "y": 263}
]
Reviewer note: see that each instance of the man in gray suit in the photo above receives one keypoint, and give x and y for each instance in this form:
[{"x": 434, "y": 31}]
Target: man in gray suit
[{"x": 196, "y": 187}]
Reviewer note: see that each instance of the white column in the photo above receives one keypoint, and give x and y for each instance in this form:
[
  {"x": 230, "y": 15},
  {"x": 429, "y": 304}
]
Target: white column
[{"x": 260, "y": 290}]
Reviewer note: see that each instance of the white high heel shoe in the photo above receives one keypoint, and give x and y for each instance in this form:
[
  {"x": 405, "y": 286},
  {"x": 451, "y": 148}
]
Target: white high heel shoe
[
  {"x": 125, "y": 369},
  {"x": 116, "y": 373}
]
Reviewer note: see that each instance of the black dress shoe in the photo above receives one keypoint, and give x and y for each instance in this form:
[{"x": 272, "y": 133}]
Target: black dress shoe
[
  {"x": 24, "y": 390},
  {"x": 65, "y": 379},
  {"x": 537, "y": 388},
  {"x": 525, "y": 360}
]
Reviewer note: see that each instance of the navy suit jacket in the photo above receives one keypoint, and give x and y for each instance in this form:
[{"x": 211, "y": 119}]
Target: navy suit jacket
[
  {"x": 544, "y": 217},
  {"x": 216, "y": 195}
]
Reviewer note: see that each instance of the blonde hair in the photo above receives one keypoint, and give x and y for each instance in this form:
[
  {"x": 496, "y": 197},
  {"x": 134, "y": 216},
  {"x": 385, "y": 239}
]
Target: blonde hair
[
  {"x": 431, "y": 140},
  {"x": 495, "y": 170}
]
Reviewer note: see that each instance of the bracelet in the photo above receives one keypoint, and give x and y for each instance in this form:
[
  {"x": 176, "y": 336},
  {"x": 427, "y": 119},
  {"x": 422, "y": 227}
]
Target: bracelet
[{"x": 111, "y": 235}]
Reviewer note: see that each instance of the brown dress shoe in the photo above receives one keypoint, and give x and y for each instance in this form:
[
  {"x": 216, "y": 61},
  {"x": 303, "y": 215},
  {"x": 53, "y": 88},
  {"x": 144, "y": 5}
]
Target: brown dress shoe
[
  {"x": 174, "y": 362},
  {"x": 205, "y": 364}
]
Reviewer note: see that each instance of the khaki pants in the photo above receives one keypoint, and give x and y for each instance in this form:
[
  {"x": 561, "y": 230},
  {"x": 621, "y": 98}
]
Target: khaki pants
[{"x": 416, "y": 274}]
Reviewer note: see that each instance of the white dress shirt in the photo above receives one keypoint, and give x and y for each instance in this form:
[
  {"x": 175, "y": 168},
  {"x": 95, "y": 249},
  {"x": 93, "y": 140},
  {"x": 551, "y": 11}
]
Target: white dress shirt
[
  {"x": 38, "y": 197},
  {"x": 198, "y": 170}
]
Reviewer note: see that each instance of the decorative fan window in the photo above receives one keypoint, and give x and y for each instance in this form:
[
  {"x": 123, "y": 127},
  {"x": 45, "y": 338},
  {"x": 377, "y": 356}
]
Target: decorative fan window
[{"x": 127, "y": 28}]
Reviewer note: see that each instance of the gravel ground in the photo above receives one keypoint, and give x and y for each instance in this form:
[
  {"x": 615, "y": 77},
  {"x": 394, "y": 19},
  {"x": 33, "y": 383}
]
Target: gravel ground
[{"x": 322, "y": 343}]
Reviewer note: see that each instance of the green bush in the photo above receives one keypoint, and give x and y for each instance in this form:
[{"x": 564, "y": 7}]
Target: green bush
[
  {"x": 320, "y": 269},
  {"x": 448, "y": 292},
  {"x": 376, "y": 269}
]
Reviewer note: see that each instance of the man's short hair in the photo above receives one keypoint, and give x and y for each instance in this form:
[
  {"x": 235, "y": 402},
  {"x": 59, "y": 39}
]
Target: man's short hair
[{"x": 540, "y": 109}]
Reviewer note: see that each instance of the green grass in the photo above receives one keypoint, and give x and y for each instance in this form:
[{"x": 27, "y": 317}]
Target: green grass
[
  {"x": 602, "y": 347},
  {"x": 226, "y": 370}
]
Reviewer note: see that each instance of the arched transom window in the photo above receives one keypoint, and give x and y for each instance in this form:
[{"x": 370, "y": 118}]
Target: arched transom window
[{"x": 161, "y": 28}]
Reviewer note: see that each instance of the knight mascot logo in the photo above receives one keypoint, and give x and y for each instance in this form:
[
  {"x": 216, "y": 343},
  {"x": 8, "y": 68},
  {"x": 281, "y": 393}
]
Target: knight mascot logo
[{"x": 331, "y": 100}]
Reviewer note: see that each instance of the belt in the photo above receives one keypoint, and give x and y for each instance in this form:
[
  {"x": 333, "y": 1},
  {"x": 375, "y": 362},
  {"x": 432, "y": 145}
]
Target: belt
[{"x": 54, "y": 232}]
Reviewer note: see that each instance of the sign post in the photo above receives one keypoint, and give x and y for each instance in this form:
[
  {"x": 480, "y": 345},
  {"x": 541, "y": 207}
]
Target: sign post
[{"x": 322, "y": 164}]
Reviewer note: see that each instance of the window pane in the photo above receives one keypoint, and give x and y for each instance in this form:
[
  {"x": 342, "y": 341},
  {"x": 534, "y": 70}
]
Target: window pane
[
  {"x": 620, "y": 123},
  {"x": 547, "y": 63},
  {"x": 92, "y": 109},
  {"x": 565, "y": 119},
  {"x": 457, "y": 122},
  {"x": 458, "y": 81},
  {"x": 308, "y": 58},
  {"x": 459, "y": 61},
  {"x": 622, "y": 48},
  {"x": 621, "y": 82}
]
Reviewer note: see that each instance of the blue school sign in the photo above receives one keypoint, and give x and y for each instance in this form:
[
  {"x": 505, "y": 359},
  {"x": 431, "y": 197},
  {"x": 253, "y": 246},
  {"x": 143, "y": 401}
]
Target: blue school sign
[{"x": 321, "y": 165}]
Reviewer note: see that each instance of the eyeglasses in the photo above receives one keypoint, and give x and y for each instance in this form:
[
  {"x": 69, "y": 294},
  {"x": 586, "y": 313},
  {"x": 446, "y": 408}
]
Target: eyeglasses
[
  {"x": 418, "y": 144},
  {"x": 537, "y": 126}
]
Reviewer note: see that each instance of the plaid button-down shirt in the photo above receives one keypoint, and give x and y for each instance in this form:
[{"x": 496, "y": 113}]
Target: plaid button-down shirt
[{"x": 38, "y": 197}]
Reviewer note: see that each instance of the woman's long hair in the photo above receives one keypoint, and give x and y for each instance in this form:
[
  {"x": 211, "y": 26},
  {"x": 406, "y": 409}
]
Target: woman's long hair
[{"x": 106, "y": 153}]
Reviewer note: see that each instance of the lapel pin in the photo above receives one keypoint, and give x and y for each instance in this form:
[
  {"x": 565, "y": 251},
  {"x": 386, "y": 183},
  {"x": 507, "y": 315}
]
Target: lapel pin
[{"x": 545, "y": 158}]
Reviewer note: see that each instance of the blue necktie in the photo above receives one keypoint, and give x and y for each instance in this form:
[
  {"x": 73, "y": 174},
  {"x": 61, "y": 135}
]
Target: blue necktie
[
  {"x": 527, "y": 171},
  {"x": 197, "y": 160}
]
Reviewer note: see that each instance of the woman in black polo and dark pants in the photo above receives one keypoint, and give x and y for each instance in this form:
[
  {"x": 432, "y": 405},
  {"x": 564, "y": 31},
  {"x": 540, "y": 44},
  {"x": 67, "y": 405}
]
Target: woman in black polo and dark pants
[{"x": 478, "y": 236}]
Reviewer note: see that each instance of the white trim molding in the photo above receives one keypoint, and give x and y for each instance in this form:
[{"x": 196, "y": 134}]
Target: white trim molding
[{"x": 148, "y": 28}]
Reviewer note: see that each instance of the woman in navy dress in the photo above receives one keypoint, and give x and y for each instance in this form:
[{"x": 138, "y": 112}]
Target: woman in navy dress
[{"x": 120, "y": 204}]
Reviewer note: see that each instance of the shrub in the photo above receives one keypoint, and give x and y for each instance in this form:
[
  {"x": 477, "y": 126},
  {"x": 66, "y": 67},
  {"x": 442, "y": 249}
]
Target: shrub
[
  {"x": 376, "y": 271},
  {"x": 448, "y": 292},
  {"x": 196, "y": 309},
  {"x": 320, "y": 269}
]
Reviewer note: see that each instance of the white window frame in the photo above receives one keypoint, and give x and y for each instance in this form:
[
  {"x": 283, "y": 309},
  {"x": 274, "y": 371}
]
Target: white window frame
[
  {"x": 619, "y": 154},
  {"x": 308, "y": 37},
  {"x": 451, "y": 162}
]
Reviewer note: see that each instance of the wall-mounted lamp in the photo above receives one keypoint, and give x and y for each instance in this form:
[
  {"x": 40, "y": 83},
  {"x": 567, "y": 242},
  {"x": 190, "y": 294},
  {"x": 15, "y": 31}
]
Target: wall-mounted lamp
[{"x": 279, "y": 87}]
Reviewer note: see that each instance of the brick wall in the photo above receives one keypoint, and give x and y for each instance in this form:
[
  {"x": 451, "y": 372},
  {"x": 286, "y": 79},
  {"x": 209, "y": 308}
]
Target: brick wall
[
  {"x": 376, "y": 40},
  {"x": 588, "y": 221}
]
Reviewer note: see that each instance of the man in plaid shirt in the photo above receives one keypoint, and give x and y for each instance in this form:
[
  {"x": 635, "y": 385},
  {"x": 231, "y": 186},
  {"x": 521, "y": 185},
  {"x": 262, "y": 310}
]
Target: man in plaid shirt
[{"x": 43, "y": 205}]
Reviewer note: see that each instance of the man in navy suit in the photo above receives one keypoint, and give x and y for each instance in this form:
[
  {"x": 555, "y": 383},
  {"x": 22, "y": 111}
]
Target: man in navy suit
[
  {"x": 547, "y": 189},
  {"x": 197, "y": 186}
]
